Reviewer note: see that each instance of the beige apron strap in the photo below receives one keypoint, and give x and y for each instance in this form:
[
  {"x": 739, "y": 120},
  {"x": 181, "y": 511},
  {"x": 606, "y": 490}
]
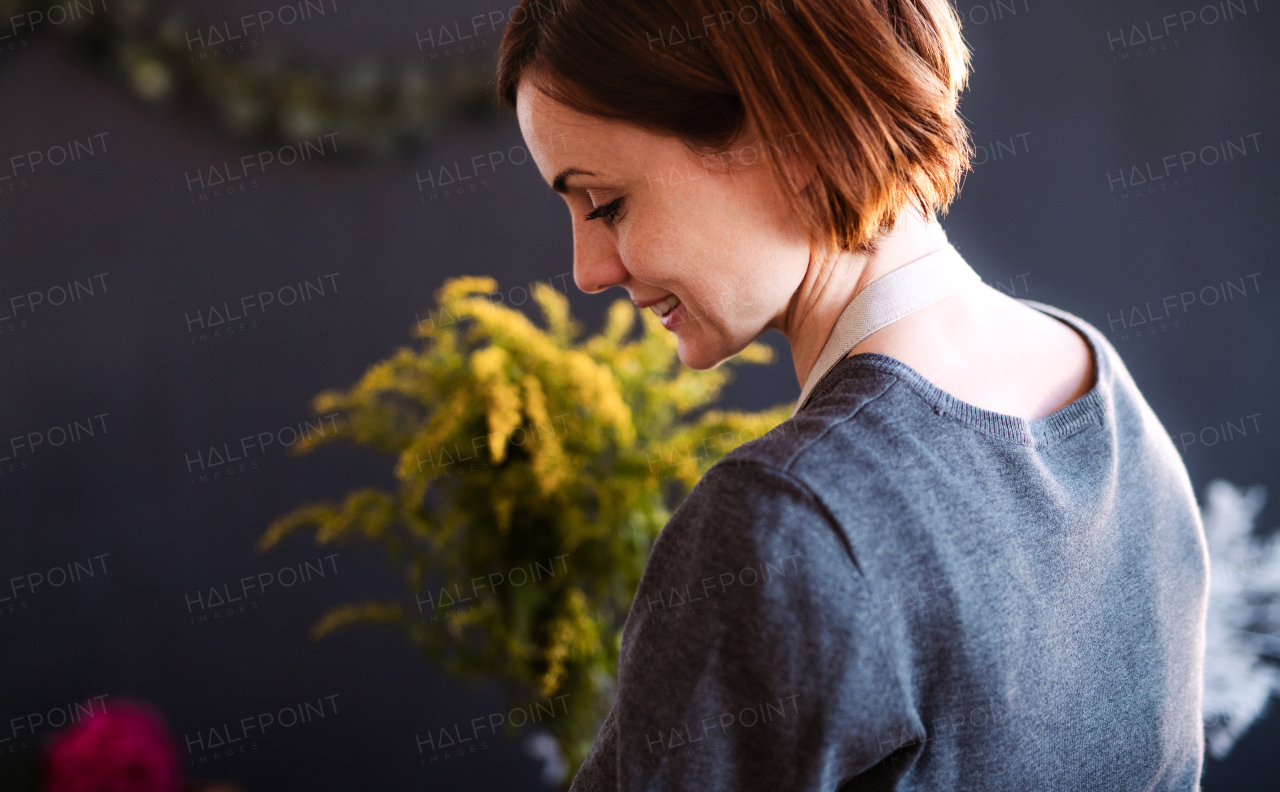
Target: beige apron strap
[{"x": 906, "y": 290}]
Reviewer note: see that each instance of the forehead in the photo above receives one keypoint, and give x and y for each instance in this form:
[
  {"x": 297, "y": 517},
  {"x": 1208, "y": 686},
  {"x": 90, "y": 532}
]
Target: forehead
[{"x": 556, "y": 133}]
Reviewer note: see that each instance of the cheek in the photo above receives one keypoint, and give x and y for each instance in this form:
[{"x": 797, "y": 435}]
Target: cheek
[
  {"x": 740, "y": 290},
  {"x": 723, "y": 246},
  {"x": 661, "y": 247},
  {"x": 764, "y": 286},
  {"x": 682, "y": 236}
]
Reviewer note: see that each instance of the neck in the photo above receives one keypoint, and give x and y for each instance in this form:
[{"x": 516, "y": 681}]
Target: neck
[{"x": 828, "y": 287}]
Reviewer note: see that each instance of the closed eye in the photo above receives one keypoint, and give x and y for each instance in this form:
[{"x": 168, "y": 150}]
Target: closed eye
[{"x": 609, "y": 212}]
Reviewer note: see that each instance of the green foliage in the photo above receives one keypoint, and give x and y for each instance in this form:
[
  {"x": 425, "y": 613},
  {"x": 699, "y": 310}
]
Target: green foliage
[
  {"x": 522, "y": 455},
  {"x": 166, "y": 56}
]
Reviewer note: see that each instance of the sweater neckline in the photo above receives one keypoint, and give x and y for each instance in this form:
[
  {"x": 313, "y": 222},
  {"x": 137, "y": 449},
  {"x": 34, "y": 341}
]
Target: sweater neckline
[{"x": 1088, "y": 409}]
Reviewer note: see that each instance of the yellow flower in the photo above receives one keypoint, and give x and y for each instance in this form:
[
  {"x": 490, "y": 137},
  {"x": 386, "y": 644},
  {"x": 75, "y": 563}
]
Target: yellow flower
[
  {"x": 503, "y": 399},
  {"x": 548, "y": 455}
]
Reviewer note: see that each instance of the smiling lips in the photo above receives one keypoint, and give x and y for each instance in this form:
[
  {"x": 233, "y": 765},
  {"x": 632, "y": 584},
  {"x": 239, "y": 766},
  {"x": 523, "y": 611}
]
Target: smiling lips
[{"x": 665, "y": 307}]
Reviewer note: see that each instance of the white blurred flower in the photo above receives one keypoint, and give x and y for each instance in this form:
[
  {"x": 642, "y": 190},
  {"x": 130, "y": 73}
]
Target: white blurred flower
[
  {"x": 542, "y": 746},
  {"x": 1243, "y": 630}
]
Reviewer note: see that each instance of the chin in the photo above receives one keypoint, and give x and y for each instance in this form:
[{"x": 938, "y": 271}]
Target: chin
[{"x": 699, "y": 355}]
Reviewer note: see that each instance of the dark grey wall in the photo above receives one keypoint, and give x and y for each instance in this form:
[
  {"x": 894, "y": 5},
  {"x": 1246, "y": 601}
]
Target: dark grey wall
[{"x": 1062, "y": 103}]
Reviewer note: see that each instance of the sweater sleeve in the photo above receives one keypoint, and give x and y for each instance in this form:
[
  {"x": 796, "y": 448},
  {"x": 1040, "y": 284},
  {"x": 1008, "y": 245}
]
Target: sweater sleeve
[{"x": 752, "y": 657}]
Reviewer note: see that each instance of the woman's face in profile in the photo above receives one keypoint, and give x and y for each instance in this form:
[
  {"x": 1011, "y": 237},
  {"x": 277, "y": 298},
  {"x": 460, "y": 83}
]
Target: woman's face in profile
[{"x": 706, "y": 235}]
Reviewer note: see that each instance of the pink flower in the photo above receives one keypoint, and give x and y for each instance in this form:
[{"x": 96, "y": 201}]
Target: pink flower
[{"x": 127, "y": 748}]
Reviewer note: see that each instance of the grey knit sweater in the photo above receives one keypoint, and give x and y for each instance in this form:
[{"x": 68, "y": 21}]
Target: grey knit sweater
[{"x": 897, "y": 590}]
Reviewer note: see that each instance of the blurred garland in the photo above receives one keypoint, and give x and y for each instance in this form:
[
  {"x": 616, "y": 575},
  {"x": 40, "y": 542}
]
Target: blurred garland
[{"x": 379, "y": 108}]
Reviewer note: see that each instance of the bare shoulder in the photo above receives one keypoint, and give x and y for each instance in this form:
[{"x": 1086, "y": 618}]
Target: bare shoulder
[
  {"x": 993, "y": 352},
  {"x": 1050, "y": 363}
]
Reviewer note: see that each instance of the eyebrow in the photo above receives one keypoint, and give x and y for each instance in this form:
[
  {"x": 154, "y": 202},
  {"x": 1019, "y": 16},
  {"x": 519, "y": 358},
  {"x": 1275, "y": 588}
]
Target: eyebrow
[{"x": 558, "y": 183}]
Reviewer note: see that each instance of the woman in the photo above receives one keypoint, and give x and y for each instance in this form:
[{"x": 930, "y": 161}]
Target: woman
[{"x": 972, "y": 558}]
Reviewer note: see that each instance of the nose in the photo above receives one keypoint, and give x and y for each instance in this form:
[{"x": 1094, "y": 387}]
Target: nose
[{"x": 597, "y": 262}]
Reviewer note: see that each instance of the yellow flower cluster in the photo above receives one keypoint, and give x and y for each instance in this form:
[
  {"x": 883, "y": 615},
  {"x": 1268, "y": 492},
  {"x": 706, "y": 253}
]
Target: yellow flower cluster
[{"x": 532, "y": 472}]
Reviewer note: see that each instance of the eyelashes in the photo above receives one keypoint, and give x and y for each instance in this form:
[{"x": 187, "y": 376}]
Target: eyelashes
[{"x": 609, "y": 212}]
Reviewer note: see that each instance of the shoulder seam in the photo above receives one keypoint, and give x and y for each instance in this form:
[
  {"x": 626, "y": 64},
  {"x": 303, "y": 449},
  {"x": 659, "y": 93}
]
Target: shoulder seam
[
  {"x": 791, "y": 460},
  {"x": 809, "y": 494}
]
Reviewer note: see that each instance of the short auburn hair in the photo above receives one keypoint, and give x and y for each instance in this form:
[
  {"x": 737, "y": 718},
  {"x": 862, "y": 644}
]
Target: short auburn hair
[{"x": 870, "y": 86}]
